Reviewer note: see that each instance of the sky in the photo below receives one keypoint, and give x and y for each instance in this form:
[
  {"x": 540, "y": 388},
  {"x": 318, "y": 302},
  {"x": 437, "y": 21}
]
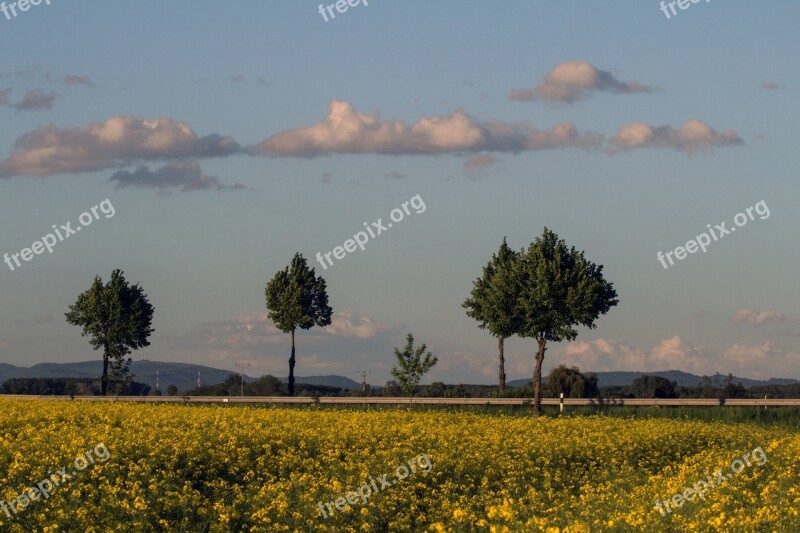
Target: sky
[{"x": 215, "y": 140}]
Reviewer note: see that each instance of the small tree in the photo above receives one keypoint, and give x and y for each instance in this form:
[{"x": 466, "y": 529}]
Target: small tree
[
  {"x": 571, "y": 382},
  {"x": 117, "y": 316},
  {"x": 172, "y": 390},
  {"x": 493, "y": 302},
  {"x": 297, "y": 299},
  {"x": 411, "y": 366},
  {"x": 653, "y": 387},
  {"x": 558, "y": 289}
]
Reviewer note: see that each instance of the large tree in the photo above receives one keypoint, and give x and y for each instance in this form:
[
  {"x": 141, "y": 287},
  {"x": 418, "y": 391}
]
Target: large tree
[
  {"x": 117, "y": 316},
  {"x": 411, "y": 366},
  {"x": 296, "y": 298},
  {"x": 558, "y": 290},
  {"x": 493, "y": 302}
]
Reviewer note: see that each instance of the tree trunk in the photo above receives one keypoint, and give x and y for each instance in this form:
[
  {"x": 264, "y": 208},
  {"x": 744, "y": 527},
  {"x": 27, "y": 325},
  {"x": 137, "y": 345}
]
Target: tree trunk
[
  {"x": 291, "y": 369},
  {"x": 104, "y": 381},
  {"x": 500, "y": 342},
  {"x": 537, "y": 377}
]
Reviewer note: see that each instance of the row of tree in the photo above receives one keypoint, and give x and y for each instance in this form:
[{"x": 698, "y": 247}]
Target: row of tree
[{"x": 543, "y": 293}]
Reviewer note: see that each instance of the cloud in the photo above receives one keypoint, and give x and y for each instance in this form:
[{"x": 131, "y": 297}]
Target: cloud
[
  {"x": 118, "y": 141},
  {"x": 4, "y": 96},
  {"x": 752, "y": 317},
  {"x": 693, "y": 136},
  {"x": 347, "y": 131},
  {"x": 606, "y": 355},
  {"x": 571, "y": 81},
  {"x": 477, "y": 164},
  {"x": 36, "y": 99},
  {"x": 184, "y": 174},
  {"x": 71, "y": 79},
  {"x": 770, "y": 86},
  {"x": 343, "y": 325}
]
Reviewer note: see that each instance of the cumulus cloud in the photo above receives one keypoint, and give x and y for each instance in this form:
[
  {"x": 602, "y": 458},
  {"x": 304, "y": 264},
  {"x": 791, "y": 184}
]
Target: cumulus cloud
[
  {"x": 346, "y": 130},
  {"x": 571, "y": 81},
  {"x": 71, "y": 79},
  {"x": 693, "y": 136},
  {"x": 670, "y": 354},
  {"x": 118, "y": 141},
  {"x": 184, "y": 174},
  {"x": 36, "y": 99},
  {"x": 344, "y": 325},
  {"x": 752, "y": 317},
  {"x": 477, "y": 164}
]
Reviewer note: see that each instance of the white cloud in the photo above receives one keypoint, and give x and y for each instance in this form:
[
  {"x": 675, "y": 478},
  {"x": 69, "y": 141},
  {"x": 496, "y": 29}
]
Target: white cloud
[
  {"x": 752, "y": 317},
  {"x": 573, "y": 80}
]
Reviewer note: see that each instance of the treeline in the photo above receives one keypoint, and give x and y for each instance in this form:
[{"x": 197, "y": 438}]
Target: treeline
[
  {"x": 570, "y": 381},
  {"x": 67, "y": 387}
]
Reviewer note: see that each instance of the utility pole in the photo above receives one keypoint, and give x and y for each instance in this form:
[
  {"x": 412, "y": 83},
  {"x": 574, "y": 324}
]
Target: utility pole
[
  {"x": 198, "y": 379},
  {"x": 241, "y": 366},
  {"x": 364, "y": 385},
  {"x": 156, "y": 379}
]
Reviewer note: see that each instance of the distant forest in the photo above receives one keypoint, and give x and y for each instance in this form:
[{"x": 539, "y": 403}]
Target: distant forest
[{"x": 569, "y": 381}]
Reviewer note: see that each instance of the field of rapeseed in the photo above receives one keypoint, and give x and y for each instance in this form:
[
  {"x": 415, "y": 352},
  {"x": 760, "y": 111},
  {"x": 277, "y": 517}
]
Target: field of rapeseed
[{"x": 226, "y": 468}]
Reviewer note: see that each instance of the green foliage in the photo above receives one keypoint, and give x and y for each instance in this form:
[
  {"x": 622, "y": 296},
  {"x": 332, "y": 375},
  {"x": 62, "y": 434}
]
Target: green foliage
[
  {"x": 296, "y": 298},
  {"x": 117, "y": 317},
  {"x": 571, "y": 382},
  {"x": 172, "y": 390},
  {"x": 653, "y": 387},
  {"x": 66, "y": 386},
  {"x": 493, "y": 301},
  {"x": 560, "y": 289},
  {"x": 411, "y": 366}
]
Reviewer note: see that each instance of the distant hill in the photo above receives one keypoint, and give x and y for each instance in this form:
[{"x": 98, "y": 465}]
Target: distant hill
[
  {"x": 611, "y": 379},
  {"x": 182, "y": 375}
]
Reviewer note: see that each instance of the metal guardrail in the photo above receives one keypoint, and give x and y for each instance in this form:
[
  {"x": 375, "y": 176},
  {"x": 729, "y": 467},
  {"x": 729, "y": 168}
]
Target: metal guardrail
[{"x": 567, "y": 402}]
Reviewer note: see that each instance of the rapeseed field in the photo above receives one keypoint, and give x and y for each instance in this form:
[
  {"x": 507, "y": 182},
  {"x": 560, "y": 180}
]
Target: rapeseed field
[{"x": 198, "y": 468}]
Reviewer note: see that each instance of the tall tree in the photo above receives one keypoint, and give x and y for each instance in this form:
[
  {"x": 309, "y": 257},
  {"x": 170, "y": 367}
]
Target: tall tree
[
  {"x": 296, "y": 298},
  {"x": 411, "y": 366},
  {"x": 559, "y": 289},
  {"x": 493, "y": 302},
  {"x": 118, "y": 317}
]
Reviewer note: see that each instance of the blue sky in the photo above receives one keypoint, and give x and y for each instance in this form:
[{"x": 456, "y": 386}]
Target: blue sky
[{"x": 239, "y": 133}]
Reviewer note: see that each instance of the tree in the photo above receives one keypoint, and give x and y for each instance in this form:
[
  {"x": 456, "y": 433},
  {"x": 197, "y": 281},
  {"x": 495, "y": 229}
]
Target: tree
[
  {"x": 172, "y": 390},
  {"x": 558, "y": 289},
  {"x": 117, "y": 316},
  {"x": 493, "y": 301},
  {"x": 411, "y": 366},
  {"x": 392, "y": 389},
  {"x": 297, "y": 299},
  {"x": 653, "y": 387},
  {"x": 571, "y": 382}
]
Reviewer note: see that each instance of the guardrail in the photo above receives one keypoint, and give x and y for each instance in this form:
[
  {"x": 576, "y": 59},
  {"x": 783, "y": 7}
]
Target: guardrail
[{"x": 367, "y": 400}]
